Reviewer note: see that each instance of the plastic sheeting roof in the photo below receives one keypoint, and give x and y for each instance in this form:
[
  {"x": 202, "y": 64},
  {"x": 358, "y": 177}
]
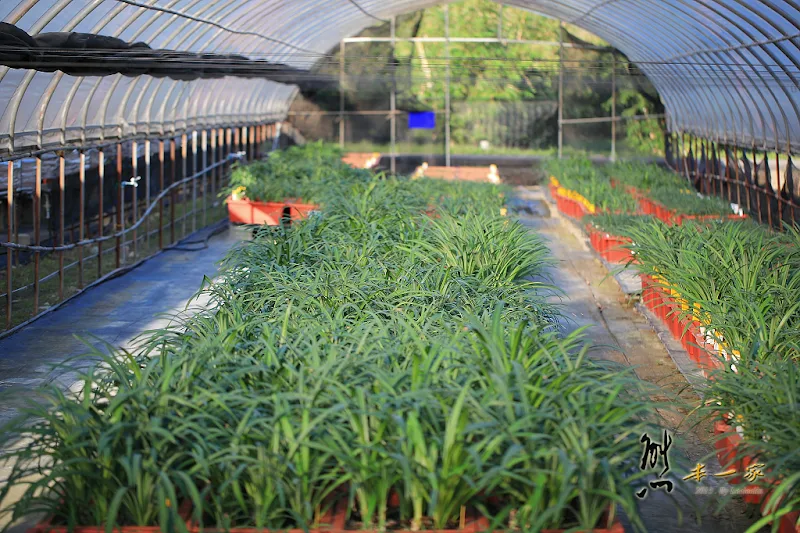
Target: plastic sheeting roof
[{"x": 726, "y": 69}]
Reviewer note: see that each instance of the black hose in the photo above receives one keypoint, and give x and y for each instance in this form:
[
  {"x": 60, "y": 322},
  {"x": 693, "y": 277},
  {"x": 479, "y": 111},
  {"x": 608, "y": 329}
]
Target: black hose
[{"x": 216, "y": 229}]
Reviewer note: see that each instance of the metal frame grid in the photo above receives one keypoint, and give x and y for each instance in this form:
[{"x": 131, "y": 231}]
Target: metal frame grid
[{"x": 392, "y": 112}]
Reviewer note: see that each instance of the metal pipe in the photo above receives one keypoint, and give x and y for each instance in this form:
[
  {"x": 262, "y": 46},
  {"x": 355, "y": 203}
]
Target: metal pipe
[
  {"x": 10, "y": 228},
  {"x": 37, "y": 221},
  {"x": 473, "y": 40},
  {"x": 204, "y": 149},
  {"x": 447, "y": 88},
  {"x": 81, "y": 220},
  {"x": 134, "y": 195},
  {"x": 500, "y": 22},
  {"x": 393, "y": 102},
  {"x": 161, "y": 171},
  {"x": 561, "y": 89},
  {"x": 194, "y": 183},
  {"x": 61, "y": 184},
  {"x": 118, "y": 213},
  {"x": 613, "y": 106},
  {"x": 184, "y": 173},
  {"x": 147, "y": 193},
  {"x": 213, "y": 156},
  {"x": 101, "y": 170},
  {"x": 341, "y": 94},
  {"x": 173, "y": 192}
]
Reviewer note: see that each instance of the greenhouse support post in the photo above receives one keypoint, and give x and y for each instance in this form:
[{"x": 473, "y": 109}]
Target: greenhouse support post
[
  {"x": 160, "y": 188},
  {"x": 613, "y": 106},
  {"x": 561, "y": 90},
  {"x": 9, "y": 224},
  {"x": 393, "y": 101},
  {"x": 147, "y": 191},
  {"x": 81, "y": 214},
  {"x": 341, "y": 94},
  {"x": 447, "y": 86},
  {"x": 500, "y": 22},
  {"x": 101, "y": 176},
  {"x": 61, "y": 185},
  {"x": 37, "y": 209}
]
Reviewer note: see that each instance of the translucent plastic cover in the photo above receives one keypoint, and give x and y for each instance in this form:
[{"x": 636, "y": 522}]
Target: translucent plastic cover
[{"x": 726, "y": 69}]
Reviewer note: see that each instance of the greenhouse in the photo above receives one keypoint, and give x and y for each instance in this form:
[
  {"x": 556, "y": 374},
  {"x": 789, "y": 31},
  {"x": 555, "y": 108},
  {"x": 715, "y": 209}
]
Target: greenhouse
[{"x": 358, "y": 265}]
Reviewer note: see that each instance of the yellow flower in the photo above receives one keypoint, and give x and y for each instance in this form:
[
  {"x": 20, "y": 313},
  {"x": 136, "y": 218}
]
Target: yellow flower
[{"x": 503, "y": 212}]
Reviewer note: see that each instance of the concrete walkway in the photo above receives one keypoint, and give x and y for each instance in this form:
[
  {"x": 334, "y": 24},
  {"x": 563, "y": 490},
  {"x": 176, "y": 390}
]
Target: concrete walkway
[{"x": 115, "y": 312}]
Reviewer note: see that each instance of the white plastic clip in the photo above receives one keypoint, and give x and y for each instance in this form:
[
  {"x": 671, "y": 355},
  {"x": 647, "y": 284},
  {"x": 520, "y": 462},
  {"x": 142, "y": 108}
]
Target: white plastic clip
[{"x": 133, "y": 182}]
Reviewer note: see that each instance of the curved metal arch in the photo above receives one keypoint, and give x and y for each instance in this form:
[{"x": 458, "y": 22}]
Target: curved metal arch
[
  {"x": 699, "y": 72},
  {"x": 766, "y": 84},
  {"x": 794, "y": 61},
  {"x": 730, "y": 103},
  {"x": 695, "y": 106}
]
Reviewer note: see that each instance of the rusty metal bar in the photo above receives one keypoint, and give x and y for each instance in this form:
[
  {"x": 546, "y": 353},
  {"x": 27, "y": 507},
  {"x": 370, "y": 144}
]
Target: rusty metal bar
[
  {"x": 778, "y": 183},
  {"x": 236, "y": 140},
  {"x": 61, "y": 186},
  {"x": 222, "y": 157},
  {"x": 754, "y": 182},
  {"x": 767, "y": 188},
  {"x": 229, "y": 146},
  {"x": 65, "y": 247},
  {"x": 748, "y": 185},
  {"x": 10, "y": 223},
  {"x": 738, "y": 184},
  {"x": 213, "y": 135},
  {"x": 16, "y": 234},
  {"x": 134, "y": 194},
  {"x": 194, "y": 182},
  {"x": 173, "y": 194},
  {"x": 204, "y": 149},
  {"x": 728, "y": 171},
  {"x": 161, "y": 189},
  {"x": 184, "y": 164},
  {"x": 101, "y": 169},
  {"x": 81, "y": 215},
  {"x": 257, "y": 135},
  {"x": 147, "y": 192},
  {"x": 37, "y": 221}
]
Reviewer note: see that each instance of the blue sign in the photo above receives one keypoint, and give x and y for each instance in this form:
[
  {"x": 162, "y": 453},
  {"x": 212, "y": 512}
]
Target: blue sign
[{"x": 424, "y": 120}]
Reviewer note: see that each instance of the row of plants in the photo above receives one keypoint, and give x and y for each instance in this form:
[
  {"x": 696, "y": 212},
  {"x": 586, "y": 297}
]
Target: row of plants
[
  {"x": 369, "y": 368},
  {"x": 730, "y": 291},
  {"x": 578, "y": 179},
  {"x": 607, "y": 235},
  {"x": 628, "y": 188}
]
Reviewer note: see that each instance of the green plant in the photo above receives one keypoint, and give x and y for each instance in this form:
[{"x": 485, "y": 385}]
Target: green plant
[
  {"x": 580, "y": 175},
  {"x": 370, "y": 350},
  {"x": 619, "y": 224}
]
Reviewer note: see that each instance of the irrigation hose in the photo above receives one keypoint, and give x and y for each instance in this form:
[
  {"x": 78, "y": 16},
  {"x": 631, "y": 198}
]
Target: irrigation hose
[{"x": 214, "y": 230}]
